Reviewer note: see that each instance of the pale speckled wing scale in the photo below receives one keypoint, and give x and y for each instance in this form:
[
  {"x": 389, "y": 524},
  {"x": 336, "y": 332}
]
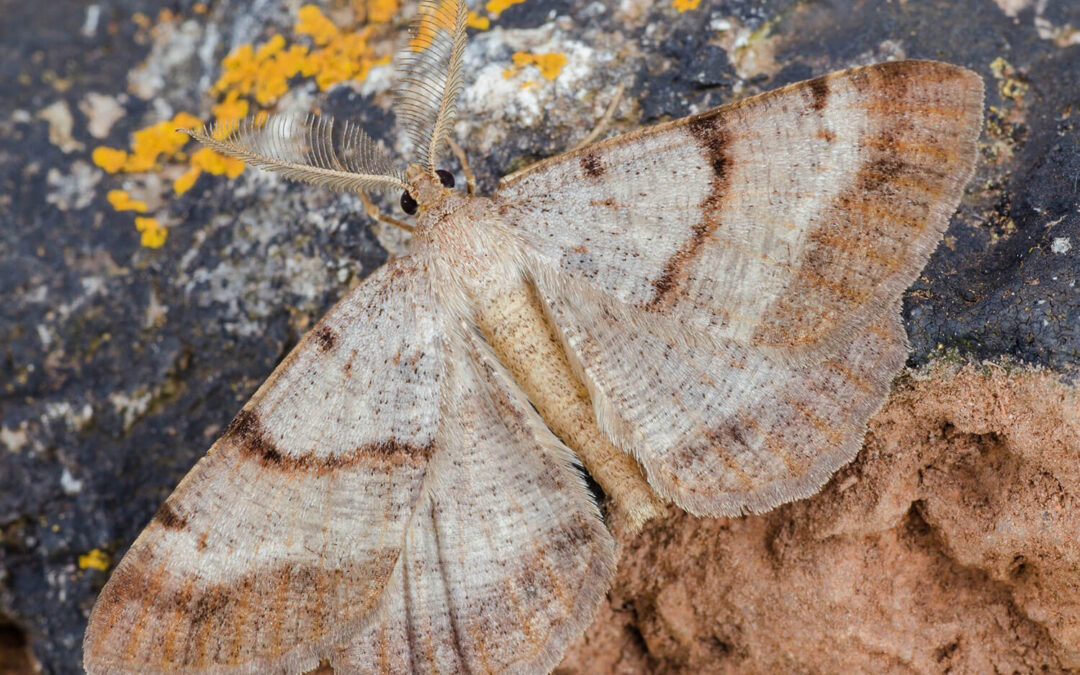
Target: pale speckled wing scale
[
  {"x": 781, "y": 221},
  {"x": 280, "y": 541},
  {"x": 506, "y": 559},
  {"x": 388, "y": 502},
  {"x": 779, "y": 234},
  {"x": 725, "y": 430}
]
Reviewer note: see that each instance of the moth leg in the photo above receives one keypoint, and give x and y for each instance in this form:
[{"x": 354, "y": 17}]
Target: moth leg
[
  {"x": 605, "y": 120},
  {"x": 376, "y": 214},
  {"x": 470, "y": 179}
]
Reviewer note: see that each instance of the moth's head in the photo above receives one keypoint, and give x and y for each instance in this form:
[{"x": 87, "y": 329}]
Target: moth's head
[{"x": 426, "y": 189}]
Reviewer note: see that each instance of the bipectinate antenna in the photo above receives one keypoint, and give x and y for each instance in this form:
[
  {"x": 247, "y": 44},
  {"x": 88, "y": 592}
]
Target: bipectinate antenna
[
  {"x": 309, "y": 148},
  {"x": 430, "y": 77}
]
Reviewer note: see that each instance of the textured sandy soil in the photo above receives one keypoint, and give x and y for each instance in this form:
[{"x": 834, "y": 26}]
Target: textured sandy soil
[{"x": 950, "y": 544}]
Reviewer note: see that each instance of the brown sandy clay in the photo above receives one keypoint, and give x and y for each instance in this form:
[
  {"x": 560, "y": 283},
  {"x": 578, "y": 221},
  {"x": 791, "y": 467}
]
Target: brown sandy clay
[{"x": 952, "y": 543}]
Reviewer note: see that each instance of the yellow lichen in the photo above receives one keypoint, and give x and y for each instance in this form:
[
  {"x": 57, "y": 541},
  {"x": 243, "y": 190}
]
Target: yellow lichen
[
  {"x": 550, "y": 65},
  {"x": 381, "y": 11},
  {"x": 232, "y": 108},
  {"x": 150, "y": 143},
  {"x": 149, "y": 146},
  {"x": 252, "y": 75},
  {"x": 154, "y": 234},
  {"x": 273, "y": 74},
  {"x": 95, "y": 559},
  {"x": 264, "y": 72},
  {"x": 186, "y": 180},
  {"x": 1009, "y": 86},
  {"x": 238, "y": 71},
  {"x": 348, "y": 57},
  {"x": 429, "y": 24},
  {"x": 1000, "y": 67},
  {"x": 109, "y": 159},
  {"x": 496, "y": 7},
  {"x": 311, "y": 21},
  {"x": 183, "y": 120},
  {"x": 685, "y": 5},
  {"x": 122, "y": 201},
  {"x": 269, "y": 49},
  {"x": 1013, "y": 88},
  {"x": 158, "y": 141},
  {"x": 217, "y": 164},
  {"x": 477, "y": 21}
]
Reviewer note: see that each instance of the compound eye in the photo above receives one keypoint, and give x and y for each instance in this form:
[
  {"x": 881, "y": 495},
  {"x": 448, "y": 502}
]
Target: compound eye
[
  {"x": 445, "y": 177},
  {"x": 408, "y": 204}
]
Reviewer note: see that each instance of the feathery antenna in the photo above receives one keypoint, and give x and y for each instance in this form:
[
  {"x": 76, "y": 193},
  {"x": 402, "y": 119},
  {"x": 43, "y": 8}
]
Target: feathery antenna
[
  {"x": 430, "y": 76},
  {"x": 308, "y": 148}
]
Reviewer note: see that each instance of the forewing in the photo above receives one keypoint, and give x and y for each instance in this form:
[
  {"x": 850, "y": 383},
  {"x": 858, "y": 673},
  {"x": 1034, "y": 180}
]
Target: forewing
[
  {"x": 723, "y": 429},
  {"x": 786, "y": 221},
  {"x": 279, "y": 542},
  {"x": 506, "y": 560}
]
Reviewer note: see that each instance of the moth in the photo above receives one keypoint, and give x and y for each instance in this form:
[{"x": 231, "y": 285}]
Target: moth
[{"x": 703, "y": 313}]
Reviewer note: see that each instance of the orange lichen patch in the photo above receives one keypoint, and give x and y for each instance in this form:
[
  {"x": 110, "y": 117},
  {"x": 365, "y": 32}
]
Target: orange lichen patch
[
  {"x": 348, "y": 57},
  {"x": 1009, "y": 85},
  {"x": 550, "y": 65},
  {"x": 431, "y": 23},
  {"x": 219, "y": 165},
  {"x": 474, "y": 20},
  {"x": 685, "y": 5},
  {"x": 253, "y": 76},
  {"x": 149, "y": 146},
  {"x": 158, "y": 142},
  {"x": 212, "y": 163},
  {"x": 122, "y": 201},
  {"x": 496, "y": 7},
  {"x": 109, "y": 159},
  {"x": 232, "y": 108},
  {"x": 442, "y": 16},
  {"x": 264, "y": 72},
  {"x": 273, "y": 75},
  {"x": 269, "y": 49},
  {"x": 381, "y": 11},
  {"x": 186, "y": 180},
  {"x": 95, "y": 559},
  {"x": 154, "y": 233},
  {"x": 311, "y": 21},
  {"x": 239, "y": 71}
]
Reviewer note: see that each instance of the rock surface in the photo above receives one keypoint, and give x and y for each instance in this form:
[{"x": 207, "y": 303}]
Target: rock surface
[{"x": 949, "y": 544}]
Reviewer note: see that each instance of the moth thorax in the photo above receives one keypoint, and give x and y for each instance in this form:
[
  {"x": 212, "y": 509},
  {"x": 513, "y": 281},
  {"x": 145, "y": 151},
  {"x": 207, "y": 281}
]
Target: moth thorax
[{"x": 472, "y": 250}]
